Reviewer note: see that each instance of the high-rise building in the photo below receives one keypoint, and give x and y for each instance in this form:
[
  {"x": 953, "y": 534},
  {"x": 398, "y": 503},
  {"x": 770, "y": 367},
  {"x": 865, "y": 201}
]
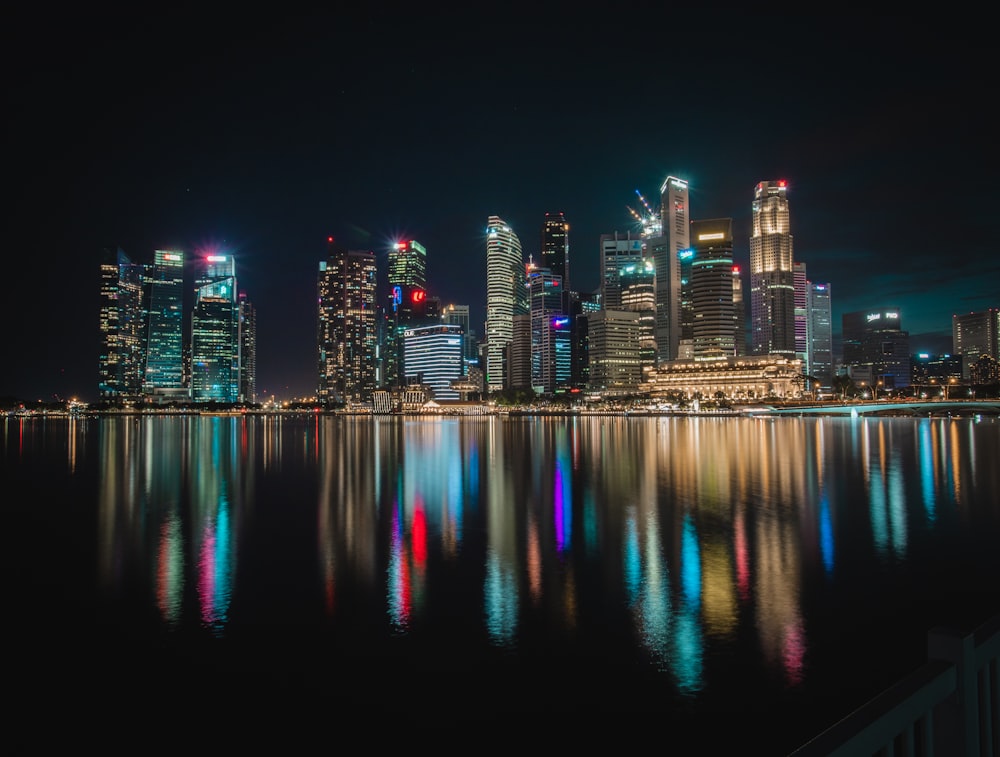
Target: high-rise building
[
  {"x": 740, "y": 312},
  {"x": 555, "y": 251},
  {"x": 638, "y": 295},
  {"x": 458, "y": 315},
  {"x": 615, "y": 366},
  {"x": 772, "y": 288},
  {"x": 713, "y": 326},
  {"x": 215, "y": 334},
  {"x": 407, "y": 308},
  {"x": 819, "y": 338},
  {"x": 433, "y": 358},
  {"x": 248, "y": 350},
  {"x": 875, "y": 346},
  {"x": 506, "y": 296},
  {"x": 408, "y": 264},
  {"x": 685, "y": 348},
  {"x": 617, "y": 252},
  {"x": 974, "y": 335},
  {"x": 550, "y": 332},
  {"x": 581, "y": 305},
  {"x": 123, "y": 327},
  {"x": 347, "y": 330},
  {"x": 800, "y": 296},
  {"x": 665, "y": 253},
  {"x": 164, "y": 379}
]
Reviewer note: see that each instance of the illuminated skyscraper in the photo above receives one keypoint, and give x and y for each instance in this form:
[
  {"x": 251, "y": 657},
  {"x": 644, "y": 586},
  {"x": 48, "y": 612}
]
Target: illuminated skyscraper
[
  {"x": 407, "y": 276},
  {"x": 347, "y": 330},
  {"x": 665, "y": 252},
  {"x": 408, "y": 264},
  {"x": 638, "y": 295},
  {"x": 713, "y": 318},
  {"x": 164, "y": 379},
  {"x": 555, "y": 251},
  {"x": 123, "y": 327},
  {"x": 433, "y": 358},
  {"x": 617, "y": 252},
  {"x": 772, "y": 286},
  {"x": 974, "y": 335},
  {"x": 739, "y": 312},
  {"x": 820, "y": 336},
  {"x": 505, "y": 297},
  {"x": 215, "y": 334},
  {"x": 550, "y": 332},
  {"x": 876, "y": 349},
  {"x": 248, "y": 350},
  {"x": 801, "y": 296}
]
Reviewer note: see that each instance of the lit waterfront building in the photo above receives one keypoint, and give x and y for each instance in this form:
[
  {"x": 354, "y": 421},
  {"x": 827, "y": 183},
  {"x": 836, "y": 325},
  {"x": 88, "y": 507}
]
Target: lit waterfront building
[
  {"x": 164, "y": 378},
  {"x": 407, "y": 305},
  {"x": 713, "y": 325},
  {"x": 772, "y": 287},
  {"x": 555, "y": 251},
  {"x": 123, "y": 327},
  {"x": 550, "y": 332},
  {"x": 506, "y": 296},
  {"x": 215, "y": 339},
  {"x": 665, "y": 253},
  {"x": 617, "y": 254},
  {"x": 752, "y": 377},
  {"x": 347, "y": 329},
  {"x": 800, "y": 297},
  {"x": 638, "y": 295},
  {"x": 615, "y": 337},
  {"x": 974, "y": 335},
  {"x": 820, "y": 334},
  {"x": 876, "y": 349},
  {"x": 433, "y": 358},
  {"x": 739, "y": 312},
  {"x": 248, "y": 350}
]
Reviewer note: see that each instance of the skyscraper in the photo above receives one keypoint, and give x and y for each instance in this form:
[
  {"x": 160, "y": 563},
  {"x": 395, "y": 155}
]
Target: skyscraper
[
  {"x": 164, "y": 379},
  {"x": 638, "y": 295},
  {"x": 665, "y": 252},
  {"x": 772, "y": 288},
  {"x": 876, "y": 348},
  {"x": 123, "y": 327},
  {"x": 433, "y": 358},
  {"x": 617, "y": 252},
  {"x": 505, "y": 296},
  {"x": 215, "y": 335},
  {"x": 713, "y": 317},
  {"x": 555, "y": 251},
  {"x": 346, "y": 331},
  {"x": 739, "y": 312},
  {"x": 248, "y": 350},
  {"x": 974, "y": 335},
  {"x": 801, "y": 317},
  {"x": 820, "y": 336},
  {"x": 407, "y": 278},
  {"x": 550, "y": 332}
]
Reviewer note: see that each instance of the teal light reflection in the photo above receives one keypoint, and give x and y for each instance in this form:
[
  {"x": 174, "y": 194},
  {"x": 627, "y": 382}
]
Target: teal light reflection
[
  {"x": 925, "y": 444},
  {"x": 501, "y": 598}
]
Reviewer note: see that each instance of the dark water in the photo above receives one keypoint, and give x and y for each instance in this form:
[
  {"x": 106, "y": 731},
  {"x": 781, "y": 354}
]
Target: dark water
[{"x": 733, "y": 585}]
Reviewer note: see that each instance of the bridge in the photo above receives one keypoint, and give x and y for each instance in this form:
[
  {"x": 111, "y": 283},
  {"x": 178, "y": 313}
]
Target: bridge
[{"x": 884, "y": 407}]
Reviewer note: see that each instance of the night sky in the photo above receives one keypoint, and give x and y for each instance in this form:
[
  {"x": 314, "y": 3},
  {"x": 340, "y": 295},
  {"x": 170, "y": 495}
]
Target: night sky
[{"x": 261, "y": 137}]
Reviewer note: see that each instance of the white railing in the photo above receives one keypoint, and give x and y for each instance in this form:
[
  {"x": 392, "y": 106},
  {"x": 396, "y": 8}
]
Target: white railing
[{"x": 950, "y": 706}]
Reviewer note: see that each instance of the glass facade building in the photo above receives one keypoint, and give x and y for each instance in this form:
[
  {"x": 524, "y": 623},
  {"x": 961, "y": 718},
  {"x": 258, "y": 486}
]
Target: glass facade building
[
  {"x": 506, "y": 296},
  {"x": 164, "y": 376},
  {"x": 772, "y": 286}
]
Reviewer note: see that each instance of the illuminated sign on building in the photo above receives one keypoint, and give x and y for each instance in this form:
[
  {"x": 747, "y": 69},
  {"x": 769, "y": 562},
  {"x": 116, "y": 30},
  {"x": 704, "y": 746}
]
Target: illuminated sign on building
[
  {"x": 216, "y": 258},
  {"x": 419, "y": 295},
  {"x": 716, "y": 235},
  {"x": 685, "y": 254}
]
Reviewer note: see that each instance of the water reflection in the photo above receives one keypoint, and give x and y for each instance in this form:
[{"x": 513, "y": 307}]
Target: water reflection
[{"x": 686, "y": 536}]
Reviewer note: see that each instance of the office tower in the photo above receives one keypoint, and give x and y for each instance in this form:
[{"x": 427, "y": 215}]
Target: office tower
[
  {"x": 819, "y": 339},
  {"x": 876, "y": 347},
  {"x": 164, "y": 379},
  {"x": 772, "y": 289},
  {"x": 215, "y": 332},
  {"x": 638, "y": 295},
  {"x": 550, "y": 332},
  {"x": 408, "y": 303},
  {"x": 713, "y": 317},
  {"x": 665, "y": 253},
  {"x": 408, "y": 265},
  {"x": 582, "y": 304},
  {"x": 123, "y": 327},
  {"x": 555, "y": 251},
  {"x": 740, "y": 313},
  {"x": 685, "y": 349},
  {"x": 458, "y": 315},
  {"x": 518, "y": 355},
  {"x": 505, "y": 297},
  {"x": 974, "y": 335},
  {"x": 615, "y": 336},
  {"x": 617, "y": 252},
  {"x": 800, "y": 297},
  {"x": 346, "y": 331},
  {"x": 248, "y": 350},
  {"x": 433, "y": 358}
]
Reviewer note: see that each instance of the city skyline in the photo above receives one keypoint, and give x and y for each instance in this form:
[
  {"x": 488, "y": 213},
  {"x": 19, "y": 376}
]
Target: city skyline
[{"x": 262, "y": 145}]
